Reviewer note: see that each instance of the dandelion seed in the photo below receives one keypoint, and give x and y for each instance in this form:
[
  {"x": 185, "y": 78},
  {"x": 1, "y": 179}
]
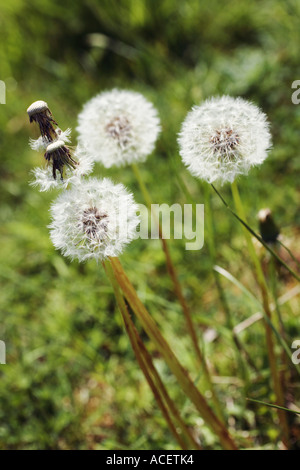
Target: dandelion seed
[
  {"x": 41, "y": 114},
  {"x": 95, "y": 219},
  {"x": 223, "y": 138},
  {"x": 94, "y": 223},
  {"x": 118, "y": 127}
]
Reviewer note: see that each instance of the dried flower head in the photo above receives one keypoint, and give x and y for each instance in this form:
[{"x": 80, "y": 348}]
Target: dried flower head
[
  {"x": 118, "y": 127},
  {"x": 59, "y": 155},
  {"x": 223, "y": 138},
  {"x": 44, "y": 180},
  {"x": 41, "y": 114},
  {"x": 267, "y": 227},
  {"x": 95, "y": 219}
]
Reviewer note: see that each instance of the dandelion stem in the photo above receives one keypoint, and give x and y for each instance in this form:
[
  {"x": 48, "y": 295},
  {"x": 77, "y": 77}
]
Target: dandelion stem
[
  {"x": 289, "y": 252},
  {"x": 273, "y": 406},
  {"x": 180, "y": 373},
  {"x": 171, "y": 269},
  {"x": 180, "y": 296},
  {"x": 265, "y": 300},
  {"x": 241, "y": 351},
  {"x": 274, "y": 287},
  {"x": 212, "y": 253},
  {"x": 145, "y": 362}
]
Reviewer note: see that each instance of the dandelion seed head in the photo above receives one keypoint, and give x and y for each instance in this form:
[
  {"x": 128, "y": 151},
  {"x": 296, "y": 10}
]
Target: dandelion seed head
[
  {"x": 118, "y": 127},
  {"x": 225, "y": 142},
  {"x": 223, "y": 138},
  {"x": 60, "y": 157},
  {"x": 41, "y": 114},
  {"x": 93, "y": 220},
  {"x": 95, "y": 223}
]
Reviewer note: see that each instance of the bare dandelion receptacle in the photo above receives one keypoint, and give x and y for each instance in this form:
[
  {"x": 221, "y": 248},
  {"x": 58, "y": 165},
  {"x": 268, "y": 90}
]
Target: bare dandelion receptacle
[
  {"x": 41, "y": 114},
  {"x": 59, "y": 155}
]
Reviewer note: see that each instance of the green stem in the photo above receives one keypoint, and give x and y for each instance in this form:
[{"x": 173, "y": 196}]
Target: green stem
[
  {"x": 265, "y": 300},
  {"x": 289, "y": 252},
  {"x": 273, "y": 406},
  {"x": 241, "y": 351},
  {"x": 179, "y": 294},
  {"x": 274, "y": 287},
  {"x": 211, "y": 238}
]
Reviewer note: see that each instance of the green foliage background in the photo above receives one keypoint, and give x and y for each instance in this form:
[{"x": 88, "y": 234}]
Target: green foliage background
[{"x": 71, "y": 380}]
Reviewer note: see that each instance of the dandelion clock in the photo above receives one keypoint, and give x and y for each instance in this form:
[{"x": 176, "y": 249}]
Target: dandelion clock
[
  {"x": 93, "y": 220},
  {"x": 118, "y": 127},
  {"x": 224, "y": 138}
]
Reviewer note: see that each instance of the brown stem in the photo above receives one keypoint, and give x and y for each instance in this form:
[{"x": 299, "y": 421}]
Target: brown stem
[{"x": 181, "y": 374}]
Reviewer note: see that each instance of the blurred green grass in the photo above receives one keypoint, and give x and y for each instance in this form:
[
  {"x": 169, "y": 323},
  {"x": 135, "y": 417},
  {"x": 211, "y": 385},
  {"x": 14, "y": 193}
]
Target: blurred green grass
[{"x": 71, "y": 380}]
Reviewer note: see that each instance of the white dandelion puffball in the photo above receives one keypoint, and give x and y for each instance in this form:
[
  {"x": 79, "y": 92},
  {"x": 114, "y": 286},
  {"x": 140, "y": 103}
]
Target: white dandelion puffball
[
  {"x": 223, "y": 138},
  {"x": 118, "y": 127},
  {"x": 95, "y": 219},
  {"x": 43, "y": 176}
]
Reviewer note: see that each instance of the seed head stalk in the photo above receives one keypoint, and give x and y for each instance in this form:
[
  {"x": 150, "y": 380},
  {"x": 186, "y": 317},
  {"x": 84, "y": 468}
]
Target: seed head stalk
[
  {"x": 171, "y": 268},
  {"x": 166, "y": 404},
  {"x": 284, "y": 373},
  {"x": 179, "y": 294},
  {"x": 242, "y": 354},
  {"x": 265, "y": 300},
  {"x": 241, "y": 351},
  {"x": 180, "y": 373}
]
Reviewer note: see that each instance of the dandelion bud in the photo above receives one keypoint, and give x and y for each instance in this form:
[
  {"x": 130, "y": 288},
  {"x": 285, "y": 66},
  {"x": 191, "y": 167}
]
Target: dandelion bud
[
  {"x": 224, "y": 138},
  {"x": 118, "y": 127},
  {"x": 95, "y": 219},
  {"x": 60, "y": 156},
  {"x": 267, "y": 227},
  {"x": 41, "y": 114}
]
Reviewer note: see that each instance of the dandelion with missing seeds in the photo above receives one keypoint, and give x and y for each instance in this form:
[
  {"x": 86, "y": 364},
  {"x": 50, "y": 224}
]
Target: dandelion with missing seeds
[
  {"x": 45, "y": 177},
  {"x": 41, "y": 114},
  {"x": 95, "y": 219},
  {"x": 118, "y": 127},
  {"x": 61, "y": 161},
  {"x": 224, "y": 138}
]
